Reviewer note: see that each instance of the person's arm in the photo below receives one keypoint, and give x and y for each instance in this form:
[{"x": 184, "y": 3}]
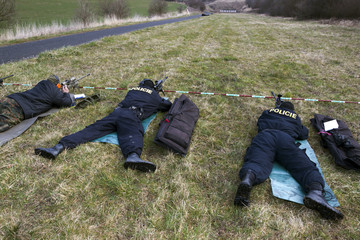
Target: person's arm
[
  {"x": 165, "y": 105},
  {"x": 63, "y": 98},
  {"x": 64, "y": 89},
  {"x": 304, "y": 133}
]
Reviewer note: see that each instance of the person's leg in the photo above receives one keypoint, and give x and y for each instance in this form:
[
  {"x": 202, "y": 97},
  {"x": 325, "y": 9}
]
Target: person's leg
[
  {"x": 257, "y": 165},
  {"x": 130, "y": 132},
  {"x": 295, "y": 160},
  {"x": 130, "y": 135},
  {"x": 98, "y": 129},
  {"x": 307, "y": 174},
  {"x": 10, "y": 114},
  {"x": 259, "y": 157}
]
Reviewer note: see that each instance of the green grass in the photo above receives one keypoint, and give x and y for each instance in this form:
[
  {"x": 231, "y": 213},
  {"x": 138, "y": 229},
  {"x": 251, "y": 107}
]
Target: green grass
[
  {"x": 45, "y": 12},
  {"x": 87, "y": 194}
]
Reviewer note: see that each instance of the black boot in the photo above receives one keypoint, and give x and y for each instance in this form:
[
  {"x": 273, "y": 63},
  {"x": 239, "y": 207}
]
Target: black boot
[
  {"x": 242, "y": 197},
  {"x": 133, "y": 161},
  {"x": 50, "y": 153},
  {"x": 315, "y": 200}
]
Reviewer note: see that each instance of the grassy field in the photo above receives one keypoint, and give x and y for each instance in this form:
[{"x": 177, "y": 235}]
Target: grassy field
[
  {"x": 45, "y": 12},
  {"x": 87, "y": 194}
]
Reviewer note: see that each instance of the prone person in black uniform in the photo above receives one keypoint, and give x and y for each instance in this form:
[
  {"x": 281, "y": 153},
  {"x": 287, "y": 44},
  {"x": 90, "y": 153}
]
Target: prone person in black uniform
[
  {"x": 277, "y": 130},
  {"x": 24, "y": 105},
  {"x": 139, "y": 103}
]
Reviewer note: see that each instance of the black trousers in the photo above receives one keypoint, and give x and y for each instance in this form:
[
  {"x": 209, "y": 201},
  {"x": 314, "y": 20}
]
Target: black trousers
[
  {"x": 270, "y": 145},
  {"x": 123, "y": 121}
]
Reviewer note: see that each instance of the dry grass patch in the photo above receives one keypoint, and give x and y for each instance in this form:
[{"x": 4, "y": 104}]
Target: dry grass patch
[{"x": 23, "y": 32}]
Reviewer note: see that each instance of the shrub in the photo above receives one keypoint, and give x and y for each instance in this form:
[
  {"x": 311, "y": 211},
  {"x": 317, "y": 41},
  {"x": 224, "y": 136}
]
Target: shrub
[
  {"x": 7, "y": 12},
  {"x": 259, "y": 4},
  {"x": 157, "y": 7},
  {"x": 345, "y": 9},
  {"x": 198, "y": 4},
  {"x": 308, "y": 8},
  {"x": 285, "y": 8},
  {"x": 117, "y": 8},
  {"x": 84, "y": 12},
  {"x": 231, "y": 5},
  {"x": 180, "y": 8},
  {"x": 105, "y": 7},
  {"x": 313, "y": 8}
]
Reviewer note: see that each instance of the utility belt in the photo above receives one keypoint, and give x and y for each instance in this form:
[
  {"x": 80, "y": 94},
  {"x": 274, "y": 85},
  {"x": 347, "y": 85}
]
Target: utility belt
[{"x": 139, "y": 111}]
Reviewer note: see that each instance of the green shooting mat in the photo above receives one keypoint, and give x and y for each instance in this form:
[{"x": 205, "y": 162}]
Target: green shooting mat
[
  {"x": 284, "y": 186},
  {"x": 112, "y": 137},
  {"x": 18, "y": 129}
]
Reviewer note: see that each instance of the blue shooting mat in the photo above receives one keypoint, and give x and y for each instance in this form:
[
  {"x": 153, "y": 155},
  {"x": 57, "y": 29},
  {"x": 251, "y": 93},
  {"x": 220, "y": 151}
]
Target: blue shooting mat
[
  {"x": 284, "y": 186},
  {"x": 112, "y": 137}
]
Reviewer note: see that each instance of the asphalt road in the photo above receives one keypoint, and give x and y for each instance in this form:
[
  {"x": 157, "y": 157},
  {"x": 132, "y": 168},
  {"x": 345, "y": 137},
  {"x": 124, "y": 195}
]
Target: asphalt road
[{"x": 32, "y": 49}]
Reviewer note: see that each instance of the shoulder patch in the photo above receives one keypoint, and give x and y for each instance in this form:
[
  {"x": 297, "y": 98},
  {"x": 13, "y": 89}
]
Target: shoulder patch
[
  {"x": 283, "y": 112},
  {"x": 141, "y": 90}
]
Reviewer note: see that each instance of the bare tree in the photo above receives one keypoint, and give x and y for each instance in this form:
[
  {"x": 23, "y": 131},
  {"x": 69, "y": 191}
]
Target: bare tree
[
  {"x": 105, "y": 7},
  {"x": 180, "y": 8},
  {"x": 308, "y": 8},
  {"x": 230, "y": 5},
  {"x": 7, "y": 12},
  {"x": 84, "y": 12},
  {"x": 197, "y": 4},
  {"x": 157, "y": 7},
  {"x": 118, "y": 8}
]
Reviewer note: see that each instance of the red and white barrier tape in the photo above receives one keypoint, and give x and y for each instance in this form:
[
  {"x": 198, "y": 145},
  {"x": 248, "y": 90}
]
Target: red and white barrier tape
[{"x": 206, "y": 93}]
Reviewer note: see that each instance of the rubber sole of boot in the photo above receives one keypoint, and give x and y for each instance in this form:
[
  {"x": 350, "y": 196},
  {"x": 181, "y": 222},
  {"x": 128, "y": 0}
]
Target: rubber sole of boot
[
  {"x": 326, "y": 211},
  {"x": 242, "y": 197},
  {"x": 88, "y": 101},
  {"x": 43, "y": 153},
  {"x": 140, "y": 166}
]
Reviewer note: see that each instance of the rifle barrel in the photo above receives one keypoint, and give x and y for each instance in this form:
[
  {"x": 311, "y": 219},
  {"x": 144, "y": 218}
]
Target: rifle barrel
[
  {"x": 6, "y": 77},
  {"x": 83, "y": 76},
  {"x": 274, "y": 95}
]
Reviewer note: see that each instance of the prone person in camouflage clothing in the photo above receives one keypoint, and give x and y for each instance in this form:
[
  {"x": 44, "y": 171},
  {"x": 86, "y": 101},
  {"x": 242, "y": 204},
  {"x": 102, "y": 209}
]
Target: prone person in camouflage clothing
[{"x": 45, "y": 95}]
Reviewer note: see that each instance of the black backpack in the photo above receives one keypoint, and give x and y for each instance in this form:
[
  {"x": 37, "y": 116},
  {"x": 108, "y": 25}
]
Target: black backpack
[
  {"x": 176, "y": 128},
  {"x": 340, "y": 142}
]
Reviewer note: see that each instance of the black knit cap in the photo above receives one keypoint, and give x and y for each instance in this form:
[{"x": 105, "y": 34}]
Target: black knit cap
[
  {"x": 287, "y": 105},
  {"x": 54, "y": 79},
  {"x": 146, "y": 83}
]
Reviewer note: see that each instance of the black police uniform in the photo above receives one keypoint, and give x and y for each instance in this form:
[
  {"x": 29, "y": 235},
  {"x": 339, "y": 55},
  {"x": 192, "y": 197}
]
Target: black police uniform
[
  {"x": 139, "y": 103},
  {"x": 277, "y": 130}
]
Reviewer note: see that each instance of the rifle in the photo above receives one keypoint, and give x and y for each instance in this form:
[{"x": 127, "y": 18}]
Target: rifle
[
  {"x": 1, "y": 79},
  {"x": 159, "y": 85},
  {"x": 73, "y": 82},
  {"x": 278, "y": 100}
]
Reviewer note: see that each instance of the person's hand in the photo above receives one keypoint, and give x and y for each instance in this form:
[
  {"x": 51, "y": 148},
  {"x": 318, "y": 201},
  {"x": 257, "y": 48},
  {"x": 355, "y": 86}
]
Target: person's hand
[{"x": 65, "y": 89}]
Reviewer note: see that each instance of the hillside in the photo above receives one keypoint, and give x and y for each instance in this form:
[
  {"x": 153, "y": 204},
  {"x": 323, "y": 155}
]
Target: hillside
[{"x": 87, "y": 194}]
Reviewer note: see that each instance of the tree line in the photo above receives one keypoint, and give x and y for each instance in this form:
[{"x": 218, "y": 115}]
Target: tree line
[
  {"x": 308, "y": 8},
  {"x": 85, "y": 11}
]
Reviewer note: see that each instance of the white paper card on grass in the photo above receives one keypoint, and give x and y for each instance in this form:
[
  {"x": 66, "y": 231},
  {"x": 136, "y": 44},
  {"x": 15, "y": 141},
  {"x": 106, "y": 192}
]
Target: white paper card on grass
[
  {"x": 333, "y": 124},
  {"x": 79, "y": 96}
]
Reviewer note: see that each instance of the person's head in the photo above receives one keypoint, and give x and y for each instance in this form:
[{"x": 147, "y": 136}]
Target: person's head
[
  {"x": 54, "y": 79},
  {"x": 287, "y": 105},
  {"x": 147, "y": 83}
]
